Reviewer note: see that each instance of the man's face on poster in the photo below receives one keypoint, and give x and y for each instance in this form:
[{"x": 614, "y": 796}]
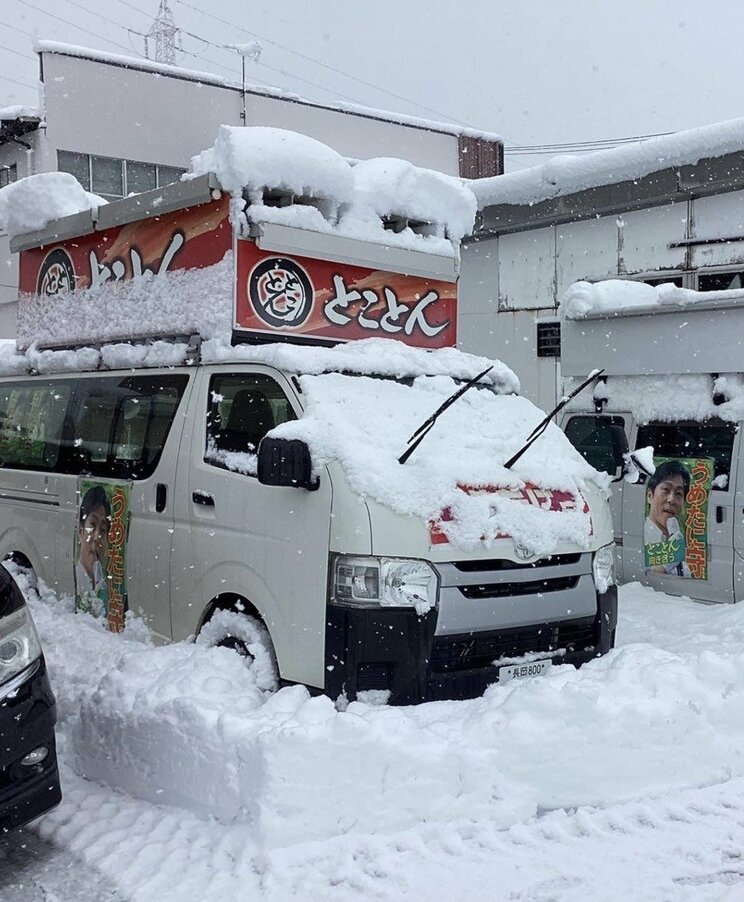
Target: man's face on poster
[
  {"x": 666, "y": 501},
  {"x": 93, "y": 539}
]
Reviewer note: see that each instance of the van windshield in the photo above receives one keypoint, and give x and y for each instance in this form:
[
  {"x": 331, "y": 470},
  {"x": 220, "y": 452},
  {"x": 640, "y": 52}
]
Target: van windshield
[{"x": 364, "y": 424}]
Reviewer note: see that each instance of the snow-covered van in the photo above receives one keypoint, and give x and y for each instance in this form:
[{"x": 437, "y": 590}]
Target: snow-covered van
[
  {"x": 240, "y": 414},
  {"x": 673, "y": 382}
]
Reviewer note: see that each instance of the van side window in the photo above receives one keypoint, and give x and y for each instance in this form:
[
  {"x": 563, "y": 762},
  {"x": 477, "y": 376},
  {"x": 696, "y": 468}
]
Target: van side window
[
  {"x": 32, "y": 416},
  {"x": 121, "y": 423},
  {"x": 594, "y": 440},
  {"x": 712, "y": 438},
  {"x": 242, "y": 409}
]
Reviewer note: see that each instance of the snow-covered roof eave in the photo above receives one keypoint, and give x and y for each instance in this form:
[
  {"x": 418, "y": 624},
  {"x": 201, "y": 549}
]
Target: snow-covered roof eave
[{"x": 567, "y": 174}]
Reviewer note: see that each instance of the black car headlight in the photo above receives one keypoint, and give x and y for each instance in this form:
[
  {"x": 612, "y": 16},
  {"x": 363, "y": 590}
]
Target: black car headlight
[{"x": 19, "y": 643}]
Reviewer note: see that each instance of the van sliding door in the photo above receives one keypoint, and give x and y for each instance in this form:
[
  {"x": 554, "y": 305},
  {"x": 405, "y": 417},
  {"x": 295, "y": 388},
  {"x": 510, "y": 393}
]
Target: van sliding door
[{"x": 126, "y": 439}]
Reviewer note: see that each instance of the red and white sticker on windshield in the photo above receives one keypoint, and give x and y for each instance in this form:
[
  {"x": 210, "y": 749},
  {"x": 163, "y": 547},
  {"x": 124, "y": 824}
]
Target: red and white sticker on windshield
[{"x": 546, "y": 499}]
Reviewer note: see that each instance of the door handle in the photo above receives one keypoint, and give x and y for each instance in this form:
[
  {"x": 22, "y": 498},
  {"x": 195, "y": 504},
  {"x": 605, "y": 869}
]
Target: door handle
[
  {"x": 202, "y": 498},
  {"x": 719, "y": 513},
  {"x": 161, "y": 495}
]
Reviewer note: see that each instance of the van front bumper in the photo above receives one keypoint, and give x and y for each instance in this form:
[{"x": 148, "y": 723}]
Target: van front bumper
[
  {"x": 396, "y": 650},
  {"x": 27, "y": 718}
]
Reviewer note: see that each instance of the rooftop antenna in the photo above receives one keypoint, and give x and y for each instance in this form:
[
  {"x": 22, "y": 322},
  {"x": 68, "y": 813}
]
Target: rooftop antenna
[
  {"x": 164, "y": 35},
  {"x": 251, "y": 51}
]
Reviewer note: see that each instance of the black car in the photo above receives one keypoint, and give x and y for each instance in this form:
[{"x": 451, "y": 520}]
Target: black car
[{"x": 29, "y": 777}]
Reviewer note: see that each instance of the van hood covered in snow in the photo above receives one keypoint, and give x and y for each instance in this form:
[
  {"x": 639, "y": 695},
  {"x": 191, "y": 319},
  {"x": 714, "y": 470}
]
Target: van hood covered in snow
[{"x": 454, "y": 484}]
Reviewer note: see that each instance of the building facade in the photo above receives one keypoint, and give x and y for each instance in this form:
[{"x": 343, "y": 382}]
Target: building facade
[
  {"x": 668, "y": 210},
  {"x": 123, "y": 125}
]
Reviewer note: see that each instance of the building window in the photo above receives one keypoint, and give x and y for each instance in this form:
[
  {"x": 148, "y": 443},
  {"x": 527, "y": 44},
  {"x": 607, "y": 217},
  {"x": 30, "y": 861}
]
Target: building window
[
  {"x": 720, "y": 281},
  {"x": 654, "y": 281},
  {"x": 107, "y": 177},
  {"x": 113, "y": 178},
  {"x": 8, "y": 174},
  {"x": 168, "y": 174},
  {"x": 77, "y": 164},
  {"x": 140, "y": 177}
]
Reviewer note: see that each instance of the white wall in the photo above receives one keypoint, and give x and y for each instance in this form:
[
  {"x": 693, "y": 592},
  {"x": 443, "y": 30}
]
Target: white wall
[{"x": 99, "y": 108}]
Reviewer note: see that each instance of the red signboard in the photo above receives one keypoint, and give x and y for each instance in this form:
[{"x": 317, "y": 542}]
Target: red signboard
[
  {"x": 191, "y": 238},
  {"x": 315, "y": 300}
]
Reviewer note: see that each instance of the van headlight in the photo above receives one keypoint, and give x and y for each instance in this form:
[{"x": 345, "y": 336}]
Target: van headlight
[
  {"x": 19, "y": 643},
  {"x": 385, "y": 582},
  {"x": 603, "y": 567}
]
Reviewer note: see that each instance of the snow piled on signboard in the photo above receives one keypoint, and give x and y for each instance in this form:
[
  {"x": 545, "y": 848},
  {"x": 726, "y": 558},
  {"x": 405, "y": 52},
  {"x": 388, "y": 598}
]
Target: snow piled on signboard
[
  {"x": 174, "y": 302},
  {"x": 365, "y": 424},
  {"x": 31, "y": 203},
  {"x": 621, "y": 296},
  {"x": 567, "y": 173},
  {"x": 182, "y": 780},
  {"x": 349, "y": 200}
]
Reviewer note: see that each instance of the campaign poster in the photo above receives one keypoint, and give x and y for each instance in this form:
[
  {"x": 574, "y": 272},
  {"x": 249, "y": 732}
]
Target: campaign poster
[
  {"x": 101, "y": 550},
  {"x": 675, "y": 532}
]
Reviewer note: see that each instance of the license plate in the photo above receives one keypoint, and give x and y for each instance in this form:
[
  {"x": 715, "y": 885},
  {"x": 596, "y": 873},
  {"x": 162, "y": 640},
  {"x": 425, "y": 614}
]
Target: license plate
[{"x": 522, "y": 671}]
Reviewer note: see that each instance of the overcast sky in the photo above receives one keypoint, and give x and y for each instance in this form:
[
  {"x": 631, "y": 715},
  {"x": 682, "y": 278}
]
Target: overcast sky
[{"x": 533, "y": 71}]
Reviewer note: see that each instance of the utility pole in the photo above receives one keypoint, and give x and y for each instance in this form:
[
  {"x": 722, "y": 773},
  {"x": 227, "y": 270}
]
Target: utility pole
[{"x": 164, "y": 35}]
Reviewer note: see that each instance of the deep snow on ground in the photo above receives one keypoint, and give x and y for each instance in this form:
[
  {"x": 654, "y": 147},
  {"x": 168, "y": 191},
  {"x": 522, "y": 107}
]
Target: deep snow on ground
[{"x": 624, "y": 780}]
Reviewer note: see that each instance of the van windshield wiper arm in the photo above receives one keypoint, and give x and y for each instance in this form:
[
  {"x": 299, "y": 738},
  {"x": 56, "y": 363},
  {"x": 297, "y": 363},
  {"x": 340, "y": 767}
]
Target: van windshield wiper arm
[
  {"x": 543, "y": 424},
  {"x": 420, "y": 434}
]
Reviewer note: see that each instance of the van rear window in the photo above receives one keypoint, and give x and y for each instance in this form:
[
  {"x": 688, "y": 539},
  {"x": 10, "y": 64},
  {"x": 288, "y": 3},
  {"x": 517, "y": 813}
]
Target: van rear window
[
  {"x": 120, "y": 424},
  {"x": 32, "y": 415},
  {"x": 713, "y": 438}
]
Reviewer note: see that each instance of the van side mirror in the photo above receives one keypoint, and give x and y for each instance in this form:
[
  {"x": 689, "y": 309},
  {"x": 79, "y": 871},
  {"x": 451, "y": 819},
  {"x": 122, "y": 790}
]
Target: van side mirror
[
  {"x": 286, "y": 462},
  {"x": 637, "y": 465}
]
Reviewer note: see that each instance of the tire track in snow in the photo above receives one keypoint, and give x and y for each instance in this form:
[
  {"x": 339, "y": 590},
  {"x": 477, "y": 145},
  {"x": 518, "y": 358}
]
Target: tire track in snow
[{"x": 687, "y": 845}]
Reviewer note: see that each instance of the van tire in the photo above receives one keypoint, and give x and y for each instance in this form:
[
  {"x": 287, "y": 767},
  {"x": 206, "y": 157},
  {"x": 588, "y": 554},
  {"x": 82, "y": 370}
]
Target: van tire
[{"x": 248, "y": 637}]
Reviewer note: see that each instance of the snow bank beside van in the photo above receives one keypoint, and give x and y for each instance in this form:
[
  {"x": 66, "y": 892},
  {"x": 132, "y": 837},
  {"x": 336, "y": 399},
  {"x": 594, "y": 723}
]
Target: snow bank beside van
[{"x": 184, "y": 727}]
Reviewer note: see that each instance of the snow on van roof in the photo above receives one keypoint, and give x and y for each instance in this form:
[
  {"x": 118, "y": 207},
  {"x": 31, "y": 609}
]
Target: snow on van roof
[
  {"x": 567, "y": 173},
  {"x": 666, "y": 398},
  {"x": 365, "y": 424},
  {"x": 371, "y": 357},
  {"x": 617, "y": 297},
  {"x": 353, "y": 200},
  {"x": 33, "y": 202},
  {"x": 19, "y": 111}
]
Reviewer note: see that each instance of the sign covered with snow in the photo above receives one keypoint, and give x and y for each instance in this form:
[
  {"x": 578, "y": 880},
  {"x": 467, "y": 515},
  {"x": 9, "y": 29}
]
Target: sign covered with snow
[
  {"x": 299, "y": 298},
  {"x": 192, "y": 238}
]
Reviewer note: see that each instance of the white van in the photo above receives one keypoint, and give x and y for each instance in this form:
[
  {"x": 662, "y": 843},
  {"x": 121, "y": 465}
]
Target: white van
[
  {"x": 673, "y": 380},
  {"x": 197, "y": 424},
  {"x": 355, "y": 594}
]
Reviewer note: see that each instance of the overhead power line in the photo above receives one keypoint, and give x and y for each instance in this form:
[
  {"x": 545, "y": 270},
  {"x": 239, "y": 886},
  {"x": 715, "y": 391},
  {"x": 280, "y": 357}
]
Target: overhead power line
[
  {"x": 579, "y": 146},
  {"x": 324, "y": 65},
  {"x": 73, "y": 25}
]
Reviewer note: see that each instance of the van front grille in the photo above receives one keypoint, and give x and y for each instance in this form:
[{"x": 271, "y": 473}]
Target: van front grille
[
  {"x": 556, "y": 560},
  {"x": 503, "y": 590},
  {"x": 468, "y": 651}
]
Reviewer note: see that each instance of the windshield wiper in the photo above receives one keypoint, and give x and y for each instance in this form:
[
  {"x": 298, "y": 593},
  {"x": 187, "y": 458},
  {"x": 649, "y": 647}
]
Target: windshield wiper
[
  {"x": 543, "y": 424},
  {"x": 420, "y": 434}
]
